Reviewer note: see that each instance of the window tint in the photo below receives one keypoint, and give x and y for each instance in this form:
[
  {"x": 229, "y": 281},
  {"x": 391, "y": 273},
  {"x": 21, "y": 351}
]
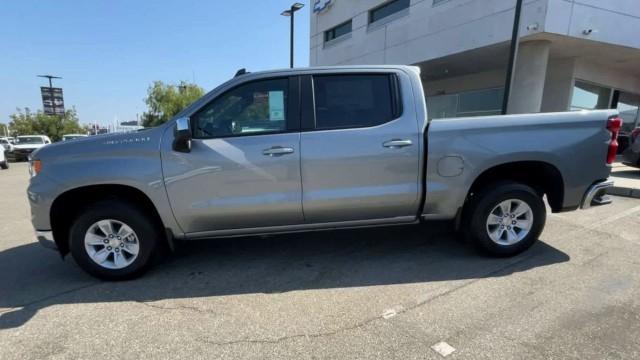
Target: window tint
[
  {"x": 337, "y": 31},
  {"x": 344, "y": 101},
  {"x": 253, "y": 108},
  {"x": 388, "y": 9}
]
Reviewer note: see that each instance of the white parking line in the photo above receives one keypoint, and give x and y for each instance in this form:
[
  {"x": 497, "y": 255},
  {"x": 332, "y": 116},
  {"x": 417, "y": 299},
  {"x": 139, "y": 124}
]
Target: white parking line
[
  {"x": 443, "y": 349},
  {"x": 389, "y": 313}
]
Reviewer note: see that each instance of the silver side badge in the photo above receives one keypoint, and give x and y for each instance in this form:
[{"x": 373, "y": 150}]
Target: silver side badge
[{"x": 127, "y": 141}]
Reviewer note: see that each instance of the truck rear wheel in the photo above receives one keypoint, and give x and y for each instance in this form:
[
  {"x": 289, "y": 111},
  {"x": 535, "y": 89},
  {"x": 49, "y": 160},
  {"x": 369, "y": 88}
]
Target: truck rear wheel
[
  {"x": 4, "y": 165},
  {"x": 114, "y": 240},
  {"x": 505, "y": 219}
]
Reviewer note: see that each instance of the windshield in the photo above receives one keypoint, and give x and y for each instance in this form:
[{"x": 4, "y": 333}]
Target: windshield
[
  {"x": 3, "y": 141},
  {"x": 29, "y": 140}
]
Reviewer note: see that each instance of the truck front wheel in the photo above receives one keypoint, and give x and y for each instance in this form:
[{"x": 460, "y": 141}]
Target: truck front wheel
[
  {"x": 114, "y": 240},
  {"x": 504, "y": 219}
]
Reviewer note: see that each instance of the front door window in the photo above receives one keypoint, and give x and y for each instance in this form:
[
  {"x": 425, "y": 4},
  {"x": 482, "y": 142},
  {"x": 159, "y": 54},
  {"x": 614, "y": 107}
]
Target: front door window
[{"x": 250, "y": 109}]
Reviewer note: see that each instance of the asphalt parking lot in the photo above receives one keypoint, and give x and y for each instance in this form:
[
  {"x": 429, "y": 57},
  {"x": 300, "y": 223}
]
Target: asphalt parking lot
[{"x": 380, "y": 293}]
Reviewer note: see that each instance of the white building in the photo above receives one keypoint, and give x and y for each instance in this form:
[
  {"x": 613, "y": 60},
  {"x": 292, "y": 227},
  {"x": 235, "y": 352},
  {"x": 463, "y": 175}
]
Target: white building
[{"x": 574, "y": 54}]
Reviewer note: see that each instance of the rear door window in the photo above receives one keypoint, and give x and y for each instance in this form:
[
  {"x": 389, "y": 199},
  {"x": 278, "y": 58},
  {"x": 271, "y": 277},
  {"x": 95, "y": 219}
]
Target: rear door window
[{"x": 352, "y": 101}]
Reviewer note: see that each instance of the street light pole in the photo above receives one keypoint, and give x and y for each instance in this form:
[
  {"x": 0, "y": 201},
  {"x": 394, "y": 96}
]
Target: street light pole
[
  {"x": 53, "y": 103},
  {"x": 291, "y": 13},
  {"x": 513, "y": 54}
]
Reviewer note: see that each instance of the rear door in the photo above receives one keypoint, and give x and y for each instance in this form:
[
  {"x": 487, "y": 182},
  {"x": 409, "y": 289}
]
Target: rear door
[{"x": 361, "y": 147}]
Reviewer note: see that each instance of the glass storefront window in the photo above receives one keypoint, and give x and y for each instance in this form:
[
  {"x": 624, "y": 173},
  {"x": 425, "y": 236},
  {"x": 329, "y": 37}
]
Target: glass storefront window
[
  {"x": 483, "y": 102},
  {"x": 628, "y": 106},
  {"x": 442, "y": 106},
  {"x": 469, "y": 103},
  {"x": 590, "y": 97}
]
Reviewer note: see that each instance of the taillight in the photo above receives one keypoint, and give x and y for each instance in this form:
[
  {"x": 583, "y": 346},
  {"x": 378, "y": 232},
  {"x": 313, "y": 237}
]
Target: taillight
[
  {"x": 34, "y": 167},
  {"x": 613, "y": 125},
  {"x": 634, "y": 135}
]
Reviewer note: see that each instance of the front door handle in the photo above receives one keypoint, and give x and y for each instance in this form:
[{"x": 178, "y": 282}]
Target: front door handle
[
  {"x": 397, "y": 143},
  {"x": 277, "y": 151}
]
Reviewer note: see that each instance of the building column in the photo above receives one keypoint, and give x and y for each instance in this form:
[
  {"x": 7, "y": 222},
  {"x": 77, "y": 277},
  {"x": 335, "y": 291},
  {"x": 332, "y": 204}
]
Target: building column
[
  {"x": 529, "y": 77},
  {"x": 558, "y": 87}
]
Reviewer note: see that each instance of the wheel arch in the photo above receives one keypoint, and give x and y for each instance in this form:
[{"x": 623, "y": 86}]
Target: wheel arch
[
  {"x": 542, "y": 176},
  {"x": 69, "y": 204}
]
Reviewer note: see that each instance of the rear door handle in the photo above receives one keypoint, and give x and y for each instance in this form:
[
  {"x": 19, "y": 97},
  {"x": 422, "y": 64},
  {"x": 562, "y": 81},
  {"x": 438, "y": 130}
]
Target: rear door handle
[
  {"x": 277, "y": 151},
  {"x": 397, "y": 143}
]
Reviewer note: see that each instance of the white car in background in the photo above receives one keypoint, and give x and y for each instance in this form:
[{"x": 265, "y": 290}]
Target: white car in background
[
  {"x": 4, "y": 164},
  {"x": 26, "y": 144},
  {"x": 6, "y": 143}
]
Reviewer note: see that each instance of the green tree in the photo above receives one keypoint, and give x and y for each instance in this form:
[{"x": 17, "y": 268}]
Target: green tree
[
  {"x": 24, "y": 122},
  {"x": 166, "y": 100}
]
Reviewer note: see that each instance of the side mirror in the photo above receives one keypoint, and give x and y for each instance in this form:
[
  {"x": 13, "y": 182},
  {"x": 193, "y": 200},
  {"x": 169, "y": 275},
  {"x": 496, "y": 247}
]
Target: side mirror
[{"x": 182, "y": 135}]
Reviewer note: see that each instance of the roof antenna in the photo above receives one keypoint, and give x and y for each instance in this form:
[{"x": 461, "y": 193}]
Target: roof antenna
[{"x": 241, "y": 72}]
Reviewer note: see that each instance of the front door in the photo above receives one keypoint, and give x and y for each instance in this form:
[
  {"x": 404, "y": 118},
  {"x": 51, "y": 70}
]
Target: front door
[
  {"x": 243, "y": 170},
  {"x": 361, "y": 154}
]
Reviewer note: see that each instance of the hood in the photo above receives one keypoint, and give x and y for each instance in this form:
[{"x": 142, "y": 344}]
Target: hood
[
  {"x": 101, "y": 145},
  {"x": 28, "y": 146}
]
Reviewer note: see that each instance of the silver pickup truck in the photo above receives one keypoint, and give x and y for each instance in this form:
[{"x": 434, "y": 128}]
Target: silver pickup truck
[{"x": 314, "y": 149}]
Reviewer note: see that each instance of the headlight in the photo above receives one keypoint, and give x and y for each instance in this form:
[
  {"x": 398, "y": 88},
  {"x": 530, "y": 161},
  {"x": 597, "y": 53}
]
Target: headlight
[{"x": 34, "y": 167}]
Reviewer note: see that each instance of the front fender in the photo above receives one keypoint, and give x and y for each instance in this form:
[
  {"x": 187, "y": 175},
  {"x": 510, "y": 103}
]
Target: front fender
[{"x": 131, "y": 160}]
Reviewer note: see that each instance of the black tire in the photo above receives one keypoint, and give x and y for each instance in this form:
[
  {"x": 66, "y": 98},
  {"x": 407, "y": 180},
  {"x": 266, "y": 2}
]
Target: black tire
[
  {"x": 485, "y": 201},
  {"x": 4, "y": 165},
  {"x": 148, "y": 232}
]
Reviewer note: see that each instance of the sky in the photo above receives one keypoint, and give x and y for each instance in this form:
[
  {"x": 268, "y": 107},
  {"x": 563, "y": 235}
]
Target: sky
[{"x": 108, "y": 52}]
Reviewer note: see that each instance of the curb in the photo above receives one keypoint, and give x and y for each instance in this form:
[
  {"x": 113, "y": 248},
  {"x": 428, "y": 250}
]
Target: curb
[{"x": 624, "y": 191}]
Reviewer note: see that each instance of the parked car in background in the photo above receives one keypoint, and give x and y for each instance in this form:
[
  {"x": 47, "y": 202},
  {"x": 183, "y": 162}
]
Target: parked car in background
[
  {"x": 4, "y": 164},
  {"x": 26, "y": 144},
  {"x": 68, "y": 137},
  {"x": 315, "y": 149},
  {"x": 631, "y": 155},
  {"x": 6, "y": 143}
]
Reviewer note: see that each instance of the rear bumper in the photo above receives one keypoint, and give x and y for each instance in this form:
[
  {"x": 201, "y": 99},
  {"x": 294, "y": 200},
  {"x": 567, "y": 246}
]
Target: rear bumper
[
  {"x": 596, "y": 195},
  {"x": 45, "y": 238}
]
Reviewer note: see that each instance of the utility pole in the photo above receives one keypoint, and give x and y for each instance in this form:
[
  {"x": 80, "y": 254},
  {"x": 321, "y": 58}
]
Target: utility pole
[
  {"x": 513, "y": 55},
  {"x": 53, "y": 103},
  {"x": 291, "y": 13}
]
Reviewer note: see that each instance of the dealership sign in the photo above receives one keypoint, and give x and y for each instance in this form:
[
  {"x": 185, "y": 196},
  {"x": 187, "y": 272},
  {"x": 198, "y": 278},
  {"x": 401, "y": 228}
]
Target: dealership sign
[
  {"x": 52, "y": 100},
  {"x": 321, "y": 5}
]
